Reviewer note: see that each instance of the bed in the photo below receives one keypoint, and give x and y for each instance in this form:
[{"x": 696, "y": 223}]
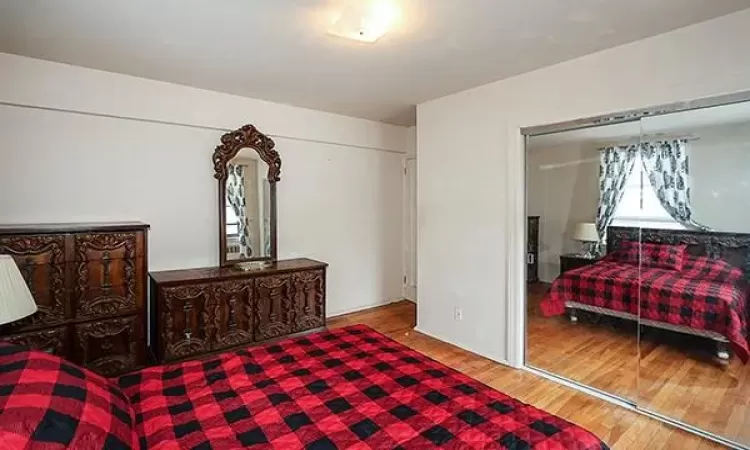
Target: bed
[
  {"x": 689, "y": 282},
  {"x": 350, "y": 388}
]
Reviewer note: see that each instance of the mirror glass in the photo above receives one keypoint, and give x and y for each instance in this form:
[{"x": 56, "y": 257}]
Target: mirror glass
[
  {"x": 696, "y": 371},
  {"x": 570, "y": 334},
  {"x": 638, "y": 264},
  {"x": 248, "y": 208}
]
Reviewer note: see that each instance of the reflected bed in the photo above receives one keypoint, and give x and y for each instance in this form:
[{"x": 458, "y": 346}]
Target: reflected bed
[{"x": 695, "y": 283}]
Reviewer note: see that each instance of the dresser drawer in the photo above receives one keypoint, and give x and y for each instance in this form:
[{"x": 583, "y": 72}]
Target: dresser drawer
[
  {"x": 107, "y": 287},
  {"x": 273, "y": 306},
  {"x": 186, "y": 320},
  {"x": 98, "y": 246},
  {"x": 233, "y": 313},
  {"x": 34, "y": 249},
  {"x": 88, "y": 282},
  {"x": 51, "y": 340},
  {"x": 309, "y": 300},
  {"x": 213, "y": 309},
  {"x": 47, "y": 284},
  {"x": 110, "y": 347}
]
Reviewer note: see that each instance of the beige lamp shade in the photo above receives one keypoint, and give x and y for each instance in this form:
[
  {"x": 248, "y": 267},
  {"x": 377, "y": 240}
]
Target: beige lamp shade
[
  {"x": 586, "y": 232},
  {"x": 16, "y": 301}
]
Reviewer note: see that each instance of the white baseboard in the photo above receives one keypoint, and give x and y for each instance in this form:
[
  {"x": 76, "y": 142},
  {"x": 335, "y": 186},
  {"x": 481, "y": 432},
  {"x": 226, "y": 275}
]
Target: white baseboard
[{"x": 330, "y": 314}]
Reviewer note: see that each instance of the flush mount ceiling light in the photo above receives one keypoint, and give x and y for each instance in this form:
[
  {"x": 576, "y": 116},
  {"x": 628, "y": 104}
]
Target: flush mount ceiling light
[{"x": 365, "y": 20}]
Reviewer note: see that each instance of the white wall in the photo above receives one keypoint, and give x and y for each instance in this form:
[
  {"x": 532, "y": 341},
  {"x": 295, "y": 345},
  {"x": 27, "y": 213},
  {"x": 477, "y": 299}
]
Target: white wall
[
  {"x": 720, "y": 166},
  {"x": 340, "y": 195},
  {"x": 563, "y": 190},
  {"x": 471, "y": 161}
]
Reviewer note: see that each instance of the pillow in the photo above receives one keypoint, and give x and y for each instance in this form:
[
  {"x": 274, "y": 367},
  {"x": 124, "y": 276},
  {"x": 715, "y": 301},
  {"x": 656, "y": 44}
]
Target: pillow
[
  {"x": 49, "y": 403},
  {"x": 717, "y": 269},
  {"x": 648, "y": 254}
]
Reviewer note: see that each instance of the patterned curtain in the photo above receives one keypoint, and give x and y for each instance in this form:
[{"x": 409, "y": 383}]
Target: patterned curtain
[
  {"x": 615, "y": 164},
  {"x": 236, "y": 199},
  {"x": 668, "y": 169}
]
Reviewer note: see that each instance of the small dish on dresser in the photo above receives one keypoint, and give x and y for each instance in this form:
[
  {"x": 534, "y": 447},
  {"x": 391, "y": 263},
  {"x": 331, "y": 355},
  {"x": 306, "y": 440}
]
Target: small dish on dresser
[{"x": 253, "y": 265}]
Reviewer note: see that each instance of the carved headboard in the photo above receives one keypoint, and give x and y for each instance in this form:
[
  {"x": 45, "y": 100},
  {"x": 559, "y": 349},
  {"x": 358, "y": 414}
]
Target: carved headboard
[{"x": 715, "y": 243}]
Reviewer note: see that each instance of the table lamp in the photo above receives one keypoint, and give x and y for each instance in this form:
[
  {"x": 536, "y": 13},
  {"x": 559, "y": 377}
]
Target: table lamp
[
  {"x": 586, "y": 233},
  {"x": 16, "y": 301}
]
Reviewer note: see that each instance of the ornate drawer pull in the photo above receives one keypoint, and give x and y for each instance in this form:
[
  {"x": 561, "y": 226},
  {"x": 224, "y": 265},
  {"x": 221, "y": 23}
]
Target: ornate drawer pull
[
  {"x": 188, "y": 308},
  {"x": 106, "y": 260}
]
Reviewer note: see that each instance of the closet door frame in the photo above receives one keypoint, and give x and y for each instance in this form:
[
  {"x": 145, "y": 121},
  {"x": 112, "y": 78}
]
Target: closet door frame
[{"x": 516, "y": 289}]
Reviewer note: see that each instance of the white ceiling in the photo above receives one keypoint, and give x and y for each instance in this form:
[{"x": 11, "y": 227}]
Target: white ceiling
[
  {"x": 278, "y": 49},
  {"x": 683, "y": 124}
]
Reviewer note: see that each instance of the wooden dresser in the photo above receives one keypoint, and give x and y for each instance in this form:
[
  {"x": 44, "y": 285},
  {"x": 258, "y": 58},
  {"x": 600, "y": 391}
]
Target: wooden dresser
[
  {"x": 201, "y": 311},
  {"x": 89, "y": 282}
]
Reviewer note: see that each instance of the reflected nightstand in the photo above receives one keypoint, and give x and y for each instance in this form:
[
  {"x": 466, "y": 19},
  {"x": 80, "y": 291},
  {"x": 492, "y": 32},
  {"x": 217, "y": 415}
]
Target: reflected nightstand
[{"x": 573, "y": 261}]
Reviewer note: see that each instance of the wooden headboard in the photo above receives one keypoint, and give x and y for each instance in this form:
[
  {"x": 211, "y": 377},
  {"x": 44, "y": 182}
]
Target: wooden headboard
[{"x": 714, "y": 242}]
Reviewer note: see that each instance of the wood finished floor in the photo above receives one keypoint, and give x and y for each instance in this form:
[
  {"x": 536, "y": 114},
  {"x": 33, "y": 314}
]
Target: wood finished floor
[
  {"x": 618, "y": 427},
  {"x": 676, "y": 375}
]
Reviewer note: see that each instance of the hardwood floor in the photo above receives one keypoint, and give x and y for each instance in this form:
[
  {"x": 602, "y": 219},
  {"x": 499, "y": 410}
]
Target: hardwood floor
[
  {"x": 672, "y": 374},
  {"x": 618, "y": 427}
]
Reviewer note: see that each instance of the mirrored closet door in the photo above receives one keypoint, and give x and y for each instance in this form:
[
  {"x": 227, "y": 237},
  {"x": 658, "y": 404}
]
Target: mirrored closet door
[
  {"x": 567, "y": 334},
  {"x": 643, "y": 243},
  {"x": 693, "y": 363}
]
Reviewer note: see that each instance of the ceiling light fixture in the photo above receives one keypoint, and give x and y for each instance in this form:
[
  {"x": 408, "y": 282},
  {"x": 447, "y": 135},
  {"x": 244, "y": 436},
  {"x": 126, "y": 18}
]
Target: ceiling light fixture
[{"x": 365, "y": 20}]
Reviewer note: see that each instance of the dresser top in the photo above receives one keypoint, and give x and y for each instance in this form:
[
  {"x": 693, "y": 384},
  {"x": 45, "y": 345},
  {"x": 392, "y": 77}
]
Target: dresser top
[
  {"x": 223, "y": 273},
  {"x": 79, "y": 227}
]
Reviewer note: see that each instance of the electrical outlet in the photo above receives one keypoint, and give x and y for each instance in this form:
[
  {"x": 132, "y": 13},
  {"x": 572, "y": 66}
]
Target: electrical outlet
[{"x": 458, "y": 314}]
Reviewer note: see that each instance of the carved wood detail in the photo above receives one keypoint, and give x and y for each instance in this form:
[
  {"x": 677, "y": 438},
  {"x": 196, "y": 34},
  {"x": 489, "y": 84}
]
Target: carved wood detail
[
  {"x": 84, "y": 278},
  {"x": 236, "y": 308},
  {"x": 273, "y": 308},
  {"x": 233, "y": 313},
  {"x": 244, "y": 137},
  {"x": 50, "y": 340},
  {"x": 34, "y": 249},
  {"x": 106, "y": 275},
  {"x": 714, "y": 243},
  {"x": 41, "y": 261},
  {"x": 188, "y": 316},
  {"x": 102, "y": 298},
  {"x": 116, "y": 245},
  {"x": 309, "y": 296},
  {"x": 111, "y": 346}
]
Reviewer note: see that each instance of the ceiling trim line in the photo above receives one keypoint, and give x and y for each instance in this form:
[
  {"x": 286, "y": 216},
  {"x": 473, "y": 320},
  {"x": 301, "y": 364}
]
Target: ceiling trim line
[{"x": 193, "y": 126}]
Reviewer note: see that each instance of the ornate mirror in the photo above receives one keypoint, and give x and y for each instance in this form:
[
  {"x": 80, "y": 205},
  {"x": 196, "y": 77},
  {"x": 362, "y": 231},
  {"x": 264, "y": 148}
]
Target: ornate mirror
[{"x": 247, "y": 167}]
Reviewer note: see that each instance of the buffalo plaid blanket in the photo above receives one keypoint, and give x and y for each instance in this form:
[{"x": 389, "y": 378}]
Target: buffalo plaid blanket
[
  {"x": 47, "y": 403},
  {"x": 707, "y": 294},
  {"x": 350, "y": 388}
]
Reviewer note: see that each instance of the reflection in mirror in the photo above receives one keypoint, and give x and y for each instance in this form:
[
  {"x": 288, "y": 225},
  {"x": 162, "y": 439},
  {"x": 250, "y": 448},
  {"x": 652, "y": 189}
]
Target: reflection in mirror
[
  {"x": 657, "y": 311},
  {"x": 247, "y": 169},
  {"x": 565, "y": 235},
  {"x": 697, "y": 373},
  {"x": 248, "y": 207}
]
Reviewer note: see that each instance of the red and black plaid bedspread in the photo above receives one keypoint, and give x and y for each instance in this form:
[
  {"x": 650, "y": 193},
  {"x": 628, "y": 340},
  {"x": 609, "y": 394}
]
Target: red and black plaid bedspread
[
  {"x": 707, "y": 294},
  {"x": 351, "y": 388}
]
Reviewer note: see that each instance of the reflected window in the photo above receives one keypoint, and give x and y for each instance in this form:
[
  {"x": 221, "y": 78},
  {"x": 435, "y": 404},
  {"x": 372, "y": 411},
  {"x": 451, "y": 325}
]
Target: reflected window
[
  {"x": 233, "y": 222},
  {"x": 640, "y": 207}
]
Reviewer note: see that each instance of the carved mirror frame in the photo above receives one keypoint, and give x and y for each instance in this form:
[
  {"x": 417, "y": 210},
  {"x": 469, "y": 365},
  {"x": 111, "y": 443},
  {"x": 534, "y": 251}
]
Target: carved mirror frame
[{"x": 231, "y": 143}]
